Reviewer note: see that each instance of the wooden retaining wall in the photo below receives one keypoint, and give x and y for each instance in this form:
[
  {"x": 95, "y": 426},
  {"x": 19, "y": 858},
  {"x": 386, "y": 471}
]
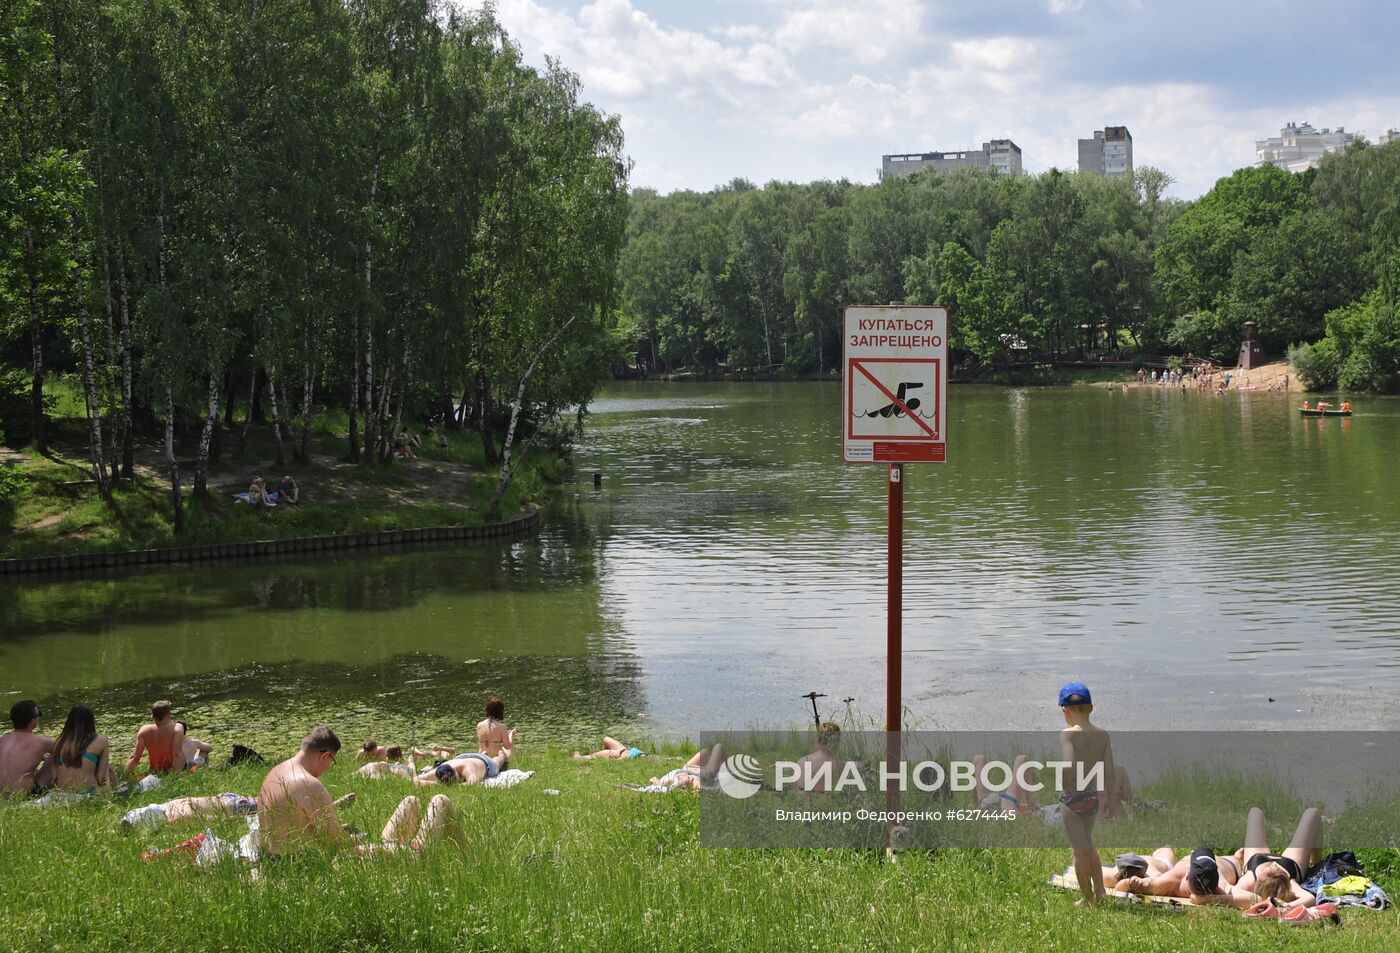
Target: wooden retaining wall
[{"x": 520, "y": 526}]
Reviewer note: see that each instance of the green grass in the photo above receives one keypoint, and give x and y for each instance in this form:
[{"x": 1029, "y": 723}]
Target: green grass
[
  {"x": 592, "y": 868},
  {"x": 58, "y": 512}
]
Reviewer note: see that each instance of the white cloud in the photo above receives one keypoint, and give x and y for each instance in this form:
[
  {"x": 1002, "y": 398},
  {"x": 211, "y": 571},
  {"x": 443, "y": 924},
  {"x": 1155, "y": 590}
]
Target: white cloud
[
  {"x": 1058, "y": 7},
  {"x": 872, "y": 32}
]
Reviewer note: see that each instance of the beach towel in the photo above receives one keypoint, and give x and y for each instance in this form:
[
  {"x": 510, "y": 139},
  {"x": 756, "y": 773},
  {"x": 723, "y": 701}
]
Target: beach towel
[
  {"x": 508, "y": 778},
  {"x": 1068, "y": 881}
]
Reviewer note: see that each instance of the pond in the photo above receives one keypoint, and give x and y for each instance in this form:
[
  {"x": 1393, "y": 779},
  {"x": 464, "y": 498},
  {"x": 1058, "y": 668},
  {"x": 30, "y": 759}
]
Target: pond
[{"x": 1200, "y": 562}]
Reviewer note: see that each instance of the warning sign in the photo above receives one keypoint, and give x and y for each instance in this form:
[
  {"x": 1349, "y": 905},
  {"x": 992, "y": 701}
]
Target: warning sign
[{"x": 895, "y": 386}]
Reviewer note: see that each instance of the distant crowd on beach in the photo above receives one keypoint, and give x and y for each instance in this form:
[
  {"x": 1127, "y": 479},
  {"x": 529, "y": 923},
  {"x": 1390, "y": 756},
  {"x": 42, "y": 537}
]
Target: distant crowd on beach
[{"x": 1207, "y": 378}]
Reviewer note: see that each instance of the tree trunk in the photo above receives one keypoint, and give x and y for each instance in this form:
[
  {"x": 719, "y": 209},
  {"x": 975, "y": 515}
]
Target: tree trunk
[
  {"x": 231, "y": 404},
  {"x": 495, "y": 511},
  {"x": 248, "y": 420},
  {"x": 368, "y": 382},
  {"x": 308, "y": 385},
  {"x": 177, "y": 503},
  {"x": 99, "y": 465},
  {"x": 211, "y": 420},
  {"x": 128, "y": 451},
  {"x": 276, "y": 420},
  {"x": 403, "y": 390},
  {"x": 483, "y": 419},
  {"x": 355, "y": 390},
  {"x": 463, "y": 411},
  {"x": 37, "y": 422}
]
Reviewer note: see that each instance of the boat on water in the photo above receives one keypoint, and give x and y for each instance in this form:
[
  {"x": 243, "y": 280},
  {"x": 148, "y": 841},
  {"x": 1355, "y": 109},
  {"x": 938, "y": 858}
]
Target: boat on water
[{"x": 1324, "y": 412}]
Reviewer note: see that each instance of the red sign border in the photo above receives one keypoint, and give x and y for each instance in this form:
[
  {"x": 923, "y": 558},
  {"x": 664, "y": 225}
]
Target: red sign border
[{"x": 851, "y": 365}]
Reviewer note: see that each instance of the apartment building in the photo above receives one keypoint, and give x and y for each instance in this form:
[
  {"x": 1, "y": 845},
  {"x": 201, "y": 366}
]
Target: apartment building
[
  {"x": 1000, "y": 154},
  {"x": 1299, "y": 146},
  {"x": 1109, "y": 152}
]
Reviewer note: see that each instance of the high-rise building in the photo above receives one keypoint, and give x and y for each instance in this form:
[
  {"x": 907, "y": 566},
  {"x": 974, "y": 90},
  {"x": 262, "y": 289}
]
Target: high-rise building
[
  {"x": 1109, "y": 153},
  {"x": 1000, "y": 154},
  {"x": 1390, "y": 135},
  {"x": 1298, "y": 147}
]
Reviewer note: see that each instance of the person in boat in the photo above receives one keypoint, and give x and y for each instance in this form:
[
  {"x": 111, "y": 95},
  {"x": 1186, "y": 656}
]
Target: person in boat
[
  {"x": 1307, "y": 405},
  {"x": 1346, "y": 406},
  {"x": 162, "y": 741}
]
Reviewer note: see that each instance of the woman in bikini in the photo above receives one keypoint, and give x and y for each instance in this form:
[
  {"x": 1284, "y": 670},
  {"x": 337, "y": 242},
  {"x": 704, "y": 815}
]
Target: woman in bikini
[
  {"x": 612, "y": 748},
  {"x": 1278, "y": 877},
  {"x": 81, "y": 754},
  {"x": 493, "y": 733}
]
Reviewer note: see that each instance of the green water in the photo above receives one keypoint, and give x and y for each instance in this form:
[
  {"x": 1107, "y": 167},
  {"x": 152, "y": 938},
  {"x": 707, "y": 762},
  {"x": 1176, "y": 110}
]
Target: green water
[{"x": 1190, "y": 557}]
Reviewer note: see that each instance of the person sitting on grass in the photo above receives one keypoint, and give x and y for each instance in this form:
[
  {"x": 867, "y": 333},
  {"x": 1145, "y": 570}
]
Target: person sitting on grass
[
  {"x": 287, "y": 490},
  {"x": 470, "y": 767},
  {"x": 162, "y": 741},
  {"x": 1013, "y": 798},
  {"x": 612, "y": 748},
  {"x": 80, "y": 754},
  {"x": 493, "y": 733},
  {"x": 257, "y": 493},
  {"x": 821, "y": 768},
  {"x": 26, "y": 759},
  {"x": 295, "y": 810},
  {"x": 196, "y": 752}
]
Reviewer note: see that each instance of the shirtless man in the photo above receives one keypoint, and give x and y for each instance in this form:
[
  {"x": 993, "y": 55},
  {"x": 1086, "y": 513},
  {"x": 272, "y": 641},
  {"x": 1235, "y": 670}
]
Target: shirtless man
[
  {"x": 470, "y": 767},
  {"x": 21, "y": 751},
  {"x": 294, "y": 807},
  {"x": 162, "y": 741}
]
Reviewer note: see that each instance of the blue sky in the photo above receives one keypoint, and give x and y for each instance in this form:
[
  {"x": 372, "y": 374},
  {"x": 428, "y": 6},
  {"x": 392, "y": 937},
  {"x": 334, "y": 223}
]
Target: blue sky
[{"x": 820, "y": 89}]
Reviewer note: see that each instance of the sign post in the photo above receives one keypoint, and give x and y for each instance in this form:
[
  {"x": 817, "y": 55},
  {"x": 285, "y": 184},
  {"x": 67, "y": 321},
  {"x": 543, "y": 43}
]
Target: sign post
[{"x": 894, "y": 411}]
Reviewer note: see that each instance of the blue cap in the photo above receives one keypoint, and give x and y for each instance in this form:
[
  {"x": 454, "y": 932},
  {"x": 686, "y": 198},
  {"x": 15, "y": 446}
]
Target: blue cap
[{"x": 1075, "y": 693}]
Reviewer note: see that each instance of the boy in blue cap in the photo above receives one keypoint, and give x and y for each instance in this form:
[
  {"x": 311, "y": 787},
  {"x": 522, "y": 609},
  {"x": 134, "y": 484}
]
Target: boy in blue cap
[{"x": 1086, "y": 747}]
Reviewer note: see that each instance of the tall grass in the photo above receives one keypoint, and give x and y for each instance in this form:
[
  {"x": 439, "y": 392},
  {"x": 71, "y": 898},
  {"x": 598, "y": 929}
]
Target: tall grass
[{"x": 590, "y": 868}]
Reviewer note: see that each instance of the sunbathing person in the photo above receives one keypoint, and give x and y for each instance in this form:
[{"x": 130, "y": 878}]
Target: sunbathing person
[
  {"x": 493, "y": 733},
  {"x": 408, "y": 829},
  {"x": 196, "y": 752},
  {"x": 162, "y": 741},
  {"x": 701, "y": 771},
  {"x": 1278, "y": 877},
  {"x": 80, "y": 754},
  {"x": 393, "y": 766},
  {"x": 612, "y": 749},
  {"x": 25, "y": 758},
  {"x": 1013, "y": 798},
  {"x": 1201, "y": 877},
  {"x": 294, "y": 807},
  {"x": 469, "y": 767},
  {"x": 213, "y": 807}
]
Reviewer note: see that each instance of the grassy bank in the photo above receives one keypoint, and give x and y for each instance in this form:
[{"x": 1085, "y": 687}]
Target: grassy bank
[
  {"x": 55, "y": 509},
  {"x": 590, "y": 868}
]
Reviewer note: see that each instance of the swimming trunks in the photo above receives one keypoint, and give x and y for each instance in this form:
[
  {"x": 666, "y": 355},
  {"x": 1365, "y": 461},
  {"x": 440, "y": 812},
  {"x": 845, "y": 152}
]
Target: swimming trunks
[
  {"x": 1083, "y": 803},
  {"x": 634, "y": 753},
  {"x": 492, "y": 768},
  {"x": 1285, "y": 862},
  {"x": 239, "y": 803}
]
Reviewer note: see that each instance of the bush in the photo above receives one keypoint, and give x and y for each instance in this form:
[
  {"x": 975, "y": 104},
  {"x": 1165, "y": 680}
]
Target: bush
[
  {"x": 1374, "y": 361},
  {"x": 1318, "y": 365},
  {"x": 13, "y": 483}
]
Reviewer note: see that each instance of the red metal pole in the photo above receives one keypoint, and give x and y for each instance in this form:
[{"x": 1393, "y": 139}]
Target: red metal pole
[{"x": 895, "y": 611}]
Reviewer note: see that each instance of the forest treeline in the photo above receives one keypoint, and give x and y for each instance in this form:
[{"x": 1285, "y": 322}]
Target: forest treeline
[
  {"x": 290, "y": 207},
  {"x": 1052, "y": 267}
]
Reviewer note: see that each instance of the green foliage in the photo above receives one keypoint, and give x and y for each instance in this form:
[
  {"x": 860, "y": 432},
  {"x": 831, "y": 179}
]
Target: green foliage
[{"x": 1318, "y": 364}]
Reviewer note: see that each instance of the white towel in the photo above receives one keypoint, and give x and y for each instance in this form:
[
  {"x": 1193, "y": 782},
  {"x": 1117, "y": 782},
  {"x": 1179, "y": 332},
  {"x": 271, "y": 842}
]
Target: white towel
[{"x": 508, "y": 778}]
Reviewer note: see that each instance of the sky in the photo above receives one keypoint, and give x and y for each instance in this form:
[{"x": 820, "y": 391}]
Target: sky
[{"x": 799, "y": 90}]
